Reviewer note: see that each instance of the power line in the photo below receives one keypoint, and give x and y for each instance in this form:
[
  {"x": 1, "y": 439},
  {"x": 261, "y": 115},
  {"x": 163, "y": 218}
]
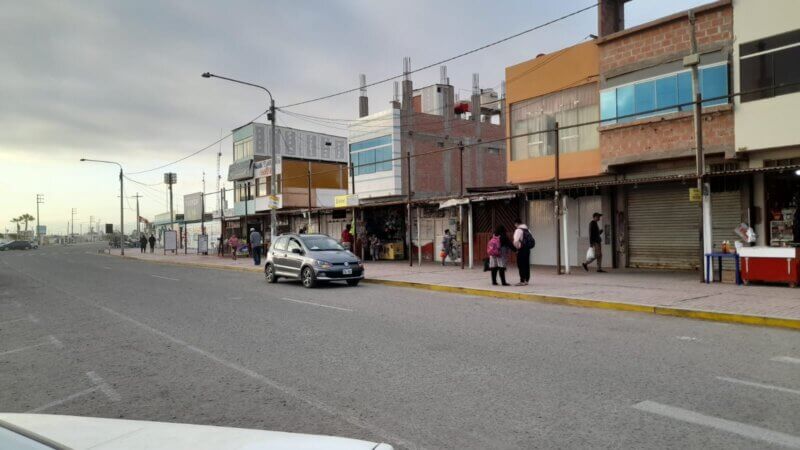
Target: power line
[{"x": 446, "y": 60}]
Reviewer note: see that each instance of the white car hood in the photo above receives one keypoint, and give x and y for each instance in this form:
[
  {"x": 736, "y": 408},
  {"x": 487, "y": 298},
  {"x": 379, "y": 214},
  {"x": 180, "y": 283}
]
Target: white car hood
[{"x": 115, "y": 434}]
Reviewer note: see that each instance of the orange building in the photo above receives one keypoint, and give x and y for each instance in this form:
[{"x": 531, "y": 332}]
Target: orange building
[{"x": 558, "y": 87}]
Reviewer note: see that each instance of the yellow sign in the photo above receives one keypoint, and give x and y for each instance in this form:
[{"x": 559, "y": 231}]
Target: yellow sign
[
  {"x": 343, "y": 201},
  {"x": 695, "y": 195}
]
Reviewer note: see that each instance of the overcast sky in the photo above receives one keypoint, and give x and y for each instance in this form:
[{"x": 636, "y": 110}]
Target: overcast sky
[{"x": 120, "y": 80}]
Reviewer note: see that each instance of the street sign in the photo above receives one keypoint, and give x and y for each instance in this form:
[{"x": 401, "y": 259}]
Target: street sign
[
  {"x": 694, "y": 195},
  {"x": 343, "y": 201},
  {"x": 109, "y": 228},
  {"x": 170, "y": 240},
  {"x": 41, "y": 230}
]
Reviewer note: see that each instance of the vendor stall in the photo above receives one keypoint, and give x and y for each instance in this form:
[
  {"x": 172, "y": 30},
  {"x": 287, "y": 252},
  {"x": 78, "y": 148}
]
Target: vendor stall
[{"x": 770, "y": 264}]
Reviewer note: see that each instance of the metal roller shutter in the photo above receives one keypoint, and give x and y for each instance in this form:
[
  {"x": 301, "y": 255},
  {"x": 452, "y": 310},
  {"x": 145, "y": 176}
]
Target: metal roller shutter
[
  {"x": 726, "y": 215},
  {"x": 663, "y": 227}
]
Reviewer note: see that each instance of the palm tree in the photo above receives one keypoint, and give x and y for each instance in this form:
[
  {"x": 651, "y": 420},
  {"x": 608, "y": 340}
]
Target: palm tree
[
  {"x": 26, "y": 218},
  {"x": 16, "y": 221}
]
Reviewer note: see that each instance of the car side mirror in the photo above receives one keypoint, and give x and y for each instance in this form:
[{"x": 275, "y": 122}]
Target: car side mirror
[{"x": 297, "y": 251}]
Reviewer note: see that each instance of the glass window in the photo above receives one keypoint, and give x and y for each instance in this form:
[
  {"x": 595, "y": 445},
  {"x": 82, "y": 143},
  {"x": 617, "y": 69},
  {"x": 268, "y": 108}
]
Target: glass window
[
  {"x": 293, "y": 244},
  {"x": 786, "y": 67},
  {"x": 280, "y": 243},
  {"x": 666, "y": 94},
  {"x": 608, "y": 106},
  {"x": 625, "y": 105},
  {"x": 645, "y": 98},
  {"x": 321, "y": 243},
  {"x": 369, "y": 143},
  {"x": 685, "y": 91},
  {"x": 366, "y": 161},
  {"x": 713, "y": 84},
  {"x": 384, "y": 154},
  {"x": 261, "y": 187}
]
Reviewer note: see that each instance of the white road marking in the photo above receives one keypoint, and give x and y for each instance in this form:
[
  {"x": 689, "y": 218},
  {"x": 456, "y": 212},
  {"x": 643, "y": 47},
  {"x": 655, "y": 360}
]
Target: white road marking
[
  {"x": 687, "y": 338},
  {"x": 13, "y": 320},
  {"x": 742, "y": 429},
  {"x": 287, "y": 390},
  {"x": 165, "y": 278},
  {"x": 235, "y": 298},
  {"x": 786, "y": 359},
  {"x": 51, "y": 340},
  {"x": 64, "y": 400},
  {"x": 760, "y": 385},
  {"x": 17, "y": 304},
  {"x": 103, "y": 386},
  {"x": 107, "y": 268},
  {"x": 33, "y": 318},
  {"x": 316, "y": 304}
]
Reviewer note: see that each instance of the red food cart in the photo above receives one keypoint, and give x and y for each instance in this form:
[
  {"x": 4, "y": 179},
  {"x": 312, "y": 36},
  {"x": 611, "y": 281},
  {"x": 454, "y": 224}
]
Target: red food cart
[{"x": 770, "y": 264}]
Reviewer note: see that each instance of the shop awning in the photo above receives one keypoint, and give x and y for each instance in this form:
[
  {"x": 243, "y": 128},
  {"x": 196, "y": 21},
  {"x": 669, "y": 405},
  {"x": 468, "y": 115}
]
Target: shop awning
[{"x": 453, "y": 202}]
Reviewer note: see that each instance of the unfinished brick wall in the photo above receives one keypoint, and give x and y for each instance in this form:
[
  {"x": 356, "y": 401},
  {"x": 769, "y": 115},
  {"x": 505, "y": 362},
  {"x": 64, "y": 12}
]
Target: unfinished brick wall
[
  {"x": 666, "y": 137},
  {"x": 670, "y": 38},
  {"x": 436, "y": 172}
]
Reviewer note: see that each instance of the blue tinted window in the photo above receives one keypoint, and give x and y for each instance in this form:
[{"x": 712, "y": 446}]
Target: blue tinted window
[
  {"x": 354, "y": 162},
  {"x": 366, "y": 160},
  {"x": 376, "y": 142},
  {"x": 384, "y": 154},
  {"x": 685, "y": 90},
  {"x": 608, "y": 106},
  {"x": 714, "y": 83},
  {"x": 645, "y": 97},
  {"x": 667, "y": 94},
  {"x": 625, "y": 106}
]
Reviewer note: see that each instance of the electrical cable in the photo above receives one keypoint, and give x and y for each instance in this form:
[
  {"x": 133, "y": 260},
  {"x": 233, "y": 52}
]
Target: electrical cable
[{"x": 446, "y": 60}]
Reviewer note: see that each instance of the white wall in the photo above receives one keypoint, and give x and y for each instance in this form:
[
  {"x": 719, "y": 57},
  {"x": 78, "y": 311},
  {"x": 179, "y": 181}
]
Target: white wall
[
  {"x": 771, "y": 122},
  {"x": 381, "y": 184}
]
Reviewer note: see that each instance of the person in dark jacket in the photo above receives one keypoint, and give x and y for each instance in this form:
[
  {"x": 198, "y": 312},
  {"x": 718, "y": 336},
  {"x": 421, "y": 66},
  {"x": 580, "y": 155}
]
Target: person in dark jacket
[
  {"x": 143, "y": 243},
  {"x": 595, "y": 241},
  {"x": 152, "y": 241}
]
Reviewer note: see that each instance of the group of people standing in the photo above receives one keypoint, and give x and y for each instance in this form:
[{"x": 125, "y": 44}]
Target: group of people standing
[
  {"x": 144, "y": 240},
  {"x": 255, "y": 245}
]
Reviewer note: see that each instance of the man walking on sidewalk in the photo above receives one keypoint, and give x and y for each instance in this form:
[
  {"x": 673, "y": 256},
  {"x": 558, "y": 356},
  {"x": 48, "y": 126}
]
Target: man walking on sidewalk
[
  {"x": 523, "y": 241},
  {"x": 152, "y": 241},
  {"x": 595, "y": 242},
  {"x": 255, "y": 243}
]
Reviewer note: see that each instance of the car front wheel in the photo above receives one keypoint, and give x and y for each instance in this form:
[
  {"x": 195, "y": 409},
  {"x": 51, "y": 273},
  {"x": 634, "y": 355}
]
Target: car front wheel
[
  {"x": 269, "y": 274},
  {"x": 308, "y": 277}
]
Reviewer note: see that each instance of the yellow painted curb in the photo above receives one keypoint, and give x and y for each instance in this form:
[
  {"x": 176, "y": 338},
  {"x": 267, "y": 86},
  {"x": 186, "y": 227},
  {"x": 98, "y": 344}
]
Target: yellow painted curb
[{"x": 774, "y": 322}]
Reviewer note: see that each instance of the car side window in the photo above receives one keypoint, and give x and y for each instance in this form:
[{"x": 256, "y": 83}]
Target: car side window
[
  {"x": 293, "y": 244},
  {"x": 280, "y": 243}
]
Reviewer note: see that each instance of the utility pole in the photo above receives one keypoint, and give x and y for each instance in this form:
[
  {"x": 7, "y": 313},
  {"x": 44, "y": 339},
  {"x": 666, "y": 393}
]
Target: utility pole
[
  {"x": 408, "y": 207},
  {"x": 72, "y": 232},
  {"x": 693, "y": 60},
  {"x": 138, "y": 220},
  {"x": 273, "y": 211},
  {"x": 39, "y": 201},
  {"x": 309, "y": 197},
  {"x": 557, "y": 202},
  {"x": 171, "y": 178}
]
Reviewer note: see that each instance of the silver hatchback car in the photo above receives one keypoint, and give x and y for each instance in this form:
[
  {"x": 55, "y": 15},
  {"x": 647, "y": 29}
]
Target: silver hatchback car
[{"x": 311, "y": 258}]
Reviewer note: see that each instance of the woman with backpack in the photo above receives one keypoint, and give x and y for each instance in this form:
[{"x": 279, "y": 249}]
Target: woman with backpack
[{"x": 498, "y": 248}]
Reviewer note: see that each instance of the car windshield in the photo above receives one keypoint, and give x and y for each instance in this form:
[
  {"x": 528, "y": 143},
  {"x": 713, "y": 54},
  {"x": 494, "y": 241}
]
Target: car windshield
[{"x": 321, "y": 243}]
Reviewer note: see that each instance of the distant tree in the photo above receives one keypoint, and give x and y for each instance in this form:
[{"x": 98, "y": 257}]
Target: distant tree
[
  {"x": 26, "y": 218},
  {"x": 16, "y": 221}
]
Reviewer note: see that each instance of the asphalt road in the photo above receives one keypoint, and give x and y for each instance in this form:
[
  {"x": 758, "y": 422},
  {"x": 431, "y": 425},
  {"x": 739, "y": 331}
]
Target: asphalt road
[{"x": 94, "y": 335}]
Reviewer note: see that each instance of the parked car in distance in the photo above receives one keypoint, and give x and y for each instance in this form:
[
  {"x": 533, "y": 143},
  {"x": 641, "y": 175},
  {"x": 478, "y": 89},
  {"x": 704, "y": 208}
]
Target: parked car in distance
[
  {"x": 17, "y": 245},
  {"x": 311, "y": 258},
  {"x": 34, "y": 244}
]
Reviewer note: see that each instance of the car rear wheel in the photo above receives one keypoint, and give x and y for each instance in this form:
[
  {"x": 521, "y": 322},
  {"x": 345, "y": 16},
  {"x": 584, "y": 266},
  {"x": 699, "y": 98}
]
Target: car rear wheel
[
  {"x": 352, "y": 282},
  {"x": 308, "y": 278},
  {"x": 269, "y": 274}
]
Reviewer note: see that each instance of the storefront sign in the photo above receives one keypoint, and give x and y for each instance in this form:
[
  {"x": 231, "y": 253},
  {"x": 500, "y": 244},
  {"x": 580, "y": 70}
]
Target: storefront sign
[
  {"x": 264, "y": 168},
  {"x": 694, "y": 195},
  {"x": 269, "y": 202},
  {"x": 193, "y": 206},
  {"x": 240, "y": 170},
  {"x": 344, "y": 201},
  {"x": 170, "y": 240}
]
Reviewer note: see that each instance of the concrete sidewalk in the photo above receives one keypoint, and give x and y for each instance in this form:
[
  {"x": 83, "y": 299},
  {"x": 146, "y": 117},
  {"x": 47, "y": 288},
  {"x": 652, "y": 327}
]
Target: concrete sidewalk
[{"x": 660, "y": 292}]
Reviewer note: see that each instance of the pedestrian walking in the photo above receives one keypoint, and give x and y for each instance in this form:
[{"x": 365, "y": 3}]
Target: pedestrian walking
[
  {"x": 152, "y": 241},
  {"x": 498, "y": 249},
  {"x": 524, "y": 243},
  {"x": 347, "y": 238},
  {"x": 448, "y": 247},
  {"x": 595, "y": 251},
  {"x": 143, "y": 243},
  {"x": 255, "y": 243},
  {"x": 233, "y": 242},
  {"x": 220, "y": 245}
]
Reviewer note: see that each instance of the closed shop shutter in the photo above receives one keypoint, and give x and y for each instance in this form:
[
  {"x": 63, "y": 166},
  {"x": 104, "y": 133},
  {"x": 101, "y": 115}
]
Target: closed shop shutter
[
  {"x": 663, "y": 227},
  {"x": 726, "y": 215}
]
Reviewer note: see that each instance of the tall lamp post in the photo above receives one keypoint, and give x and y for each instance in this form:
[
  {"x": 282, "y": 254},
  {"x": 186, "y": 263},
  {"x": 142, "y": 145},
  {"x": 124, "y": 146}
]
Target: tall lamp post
[
  {"x": 271, "y": 117},
  {"x": 121, "y": 208}
]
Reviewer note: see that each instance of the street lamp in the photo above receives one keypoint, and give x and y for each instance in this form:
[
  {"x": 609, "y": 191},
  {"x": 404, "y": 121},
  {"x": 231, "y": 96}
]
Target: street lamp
[
  {"x": 121, "y": 209},
  {"x": 271, "y": 117}
]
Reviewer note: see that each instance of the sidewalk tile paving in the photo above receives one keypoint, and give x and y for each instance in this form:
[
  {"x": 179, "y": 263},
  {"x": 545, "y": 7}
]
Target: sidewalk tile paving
[{"x": 641, "y": 287}]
